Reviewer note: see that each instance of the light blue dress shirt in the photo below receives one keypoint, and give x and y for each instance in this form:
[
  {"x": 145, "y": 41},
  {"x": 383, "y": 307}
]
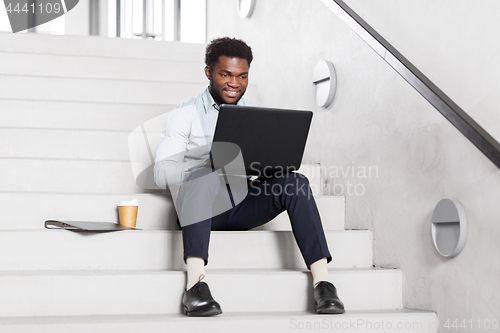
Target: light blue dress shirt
[{"x": 187, "y": 138}]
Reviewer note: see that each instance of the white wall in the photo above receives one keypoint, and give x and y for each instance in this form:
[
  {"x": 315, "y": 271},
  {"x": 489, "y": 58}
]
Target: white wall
[
  {"x": 378, "y": 120},
  {"x": 77, "y": 20},
  {"x": 455, "y": 43}
]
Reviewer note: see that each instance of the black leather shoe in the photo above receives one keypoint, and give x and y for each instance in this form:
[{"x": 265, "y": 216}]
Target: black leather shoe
[
  {"x": 327, "y": 301},
  {"x": 198, "y": 301}
]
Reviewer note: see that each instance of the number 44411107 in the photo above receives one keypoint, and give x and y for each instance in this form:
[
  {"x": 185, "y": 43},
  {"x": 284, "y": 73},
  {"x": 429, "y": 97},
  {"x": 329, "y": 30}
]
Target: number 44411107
[
  {"x": 472, "y": 324},
  {"x": 49, "y": 8}
]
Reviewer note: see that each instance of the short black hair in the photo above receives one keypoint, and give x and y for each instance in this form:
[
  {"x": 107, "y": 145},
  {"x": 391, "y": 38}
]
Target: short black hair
[{"x": 228, "y": 47}]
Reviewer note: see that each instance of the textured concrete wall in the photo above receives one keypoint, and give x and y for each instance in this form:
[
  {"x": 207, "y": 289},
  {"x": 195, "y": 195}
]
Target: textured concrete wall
[
  {"x": 455, "y": 43},
  {"x": 378, "y": 121}
]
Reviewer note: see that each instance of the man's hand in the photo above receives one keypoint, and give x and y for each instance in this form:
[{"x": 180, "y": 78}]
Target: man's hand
[{"x": 205, "y": 163}]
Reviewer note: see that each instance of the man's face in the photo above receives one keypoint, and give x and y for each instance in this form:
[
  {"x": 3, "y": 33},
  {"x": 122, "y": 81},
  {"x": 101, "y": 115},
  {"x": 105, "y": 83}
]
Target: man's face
[{"x": 228, "y": 79}]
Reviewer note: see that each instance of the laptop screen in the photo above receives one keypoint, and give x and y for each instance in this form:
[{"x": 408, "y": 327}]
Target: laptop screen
[{"x": 271, "y": 140}]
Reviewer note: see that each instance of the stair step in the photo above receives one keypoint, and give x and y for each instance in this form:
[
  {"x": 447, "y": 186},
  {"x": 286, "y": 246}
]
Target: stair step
[
  {"x": 97, "y": 90},
  {"x": 29, "y": 210},
  {"x": 66, "y": 293},
  {"x": 409, "y": 321},
  {"x": 162, "y": 250},
  {"x": 64, "y": 144},
  {"x": 101, "y": 47},
  {"x": 49, "y": 65},
  {"x": 77, "y": 115},
  {"x": 64, "y": 175}
]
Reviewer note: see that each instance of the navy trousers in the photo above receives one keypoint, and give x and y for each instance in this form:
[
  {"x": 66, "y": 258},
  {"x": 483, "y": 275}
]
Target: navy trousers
[{"x": 266, "y": 198}]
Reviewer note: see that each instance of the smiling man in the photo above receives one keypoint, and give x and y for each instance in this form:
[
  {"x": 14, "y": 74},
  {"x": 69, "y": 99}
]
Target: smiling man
[
  {"x": 228, "y": 79},
  {"x": 201, "y": 203}
]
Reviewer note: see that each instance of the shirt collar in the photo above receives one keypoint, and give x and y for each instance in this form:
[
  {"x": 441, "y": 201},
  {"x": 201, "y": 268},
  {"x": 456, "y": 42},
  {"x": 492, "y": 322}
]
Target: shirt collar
[{"x": 208, "y": 101}]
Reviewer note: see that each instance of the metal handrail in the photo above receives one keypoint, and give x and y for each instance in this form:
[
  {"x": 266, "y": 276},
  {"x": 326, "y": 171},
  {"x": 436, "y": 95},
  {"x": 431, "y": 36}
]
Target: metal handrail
[{"x": 445, "y": 105}]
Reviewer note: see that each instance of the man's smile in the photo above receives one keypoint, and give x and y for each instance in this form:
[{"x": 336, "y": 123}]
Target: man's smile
[{"x": 232, "y": 93}]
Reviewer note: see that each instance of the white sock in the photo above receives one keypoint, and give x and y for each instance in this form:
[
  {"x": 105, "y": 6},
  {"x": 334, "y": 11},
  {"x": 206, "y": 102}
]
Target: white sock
[
  {"x": 195, "y": 271},
  {"x": 319, "y": 271}
]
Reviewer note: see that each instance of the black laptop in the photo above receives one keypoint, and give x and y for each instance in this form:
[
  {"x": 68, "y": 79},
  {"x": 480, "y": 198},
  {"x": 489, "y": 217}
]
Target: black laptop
[{"x": 271, "y": 141}]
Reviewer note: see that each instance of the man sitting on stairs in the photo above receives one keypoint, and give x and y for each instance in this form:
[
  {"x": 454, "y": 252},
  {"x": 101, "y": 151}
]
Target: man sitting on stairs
[{"x": 190, "y": 128}]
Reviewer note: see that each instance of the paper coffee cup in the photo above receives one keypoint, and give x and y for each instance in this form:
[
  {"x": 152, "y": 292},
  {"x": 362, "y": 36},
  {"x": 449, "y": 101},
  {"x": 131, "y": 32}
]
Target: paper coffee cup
[{"x": 127, "y": 211}]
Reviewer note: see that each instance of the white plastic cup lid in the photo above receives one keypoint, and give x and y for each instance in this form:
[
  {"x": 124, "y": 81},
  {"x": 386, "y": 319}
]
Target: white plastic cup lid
[{"x": 132, "y": 202}]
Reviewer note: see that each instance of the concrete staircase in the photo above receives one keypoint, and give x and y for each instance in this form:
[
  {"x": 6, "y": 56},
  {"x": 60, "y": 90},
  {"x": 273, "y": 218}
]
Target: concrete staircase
[{"x": 67, "y": 107}]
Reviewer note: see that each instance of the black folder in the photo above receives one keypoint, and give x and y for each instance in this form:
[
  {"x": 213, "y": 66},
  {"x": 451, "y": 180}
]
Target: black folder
[{"x": 85, "y": 226}]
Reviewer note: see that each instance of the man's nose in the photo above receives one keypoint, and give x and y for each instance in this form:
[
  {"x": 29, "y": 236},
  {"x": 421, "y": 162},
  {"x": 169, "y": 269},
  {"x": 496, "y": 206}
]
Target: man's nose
[{"x": 233, "y": 81}]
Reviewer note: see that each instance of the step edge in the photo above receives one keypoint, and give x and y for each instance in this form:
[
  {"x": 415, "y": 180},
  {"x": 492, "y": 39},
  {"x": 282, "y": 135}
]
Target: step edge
[
  {"x": 74, "y": 55},
  {"x": 31, "y": 100},
  {"x": 201, "y": 81},
  {"x": 168, "y": 231},
  {"x": 212, "y": 272},
  {"x": 227, "y": 316}
]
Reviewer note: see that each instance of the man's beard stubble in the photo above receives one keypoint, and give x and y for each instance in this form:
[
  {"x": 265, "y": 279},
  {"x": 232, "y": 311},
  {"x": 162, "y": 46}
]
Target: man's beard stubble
[{"x": 218, "y": 98}]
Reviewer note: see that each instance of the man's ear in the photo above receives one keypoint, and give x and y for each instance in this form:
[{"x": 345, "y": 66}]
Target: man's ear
[{"x": 208, "y": 72}]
